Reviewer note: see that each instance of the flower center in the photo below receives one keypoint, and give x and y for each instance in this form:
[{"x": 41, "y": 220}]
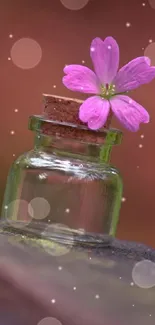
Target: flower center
[{"x": 107, "y": 91}]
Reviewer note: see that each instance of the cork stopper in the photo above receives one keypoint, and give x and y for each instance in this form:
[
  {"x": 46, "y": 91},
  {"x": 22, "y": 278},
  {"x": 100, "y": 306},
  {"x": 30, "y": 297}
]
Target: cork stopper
[
  {"x": 64, "y": 109},
  {"x": 60, "y": 119}
]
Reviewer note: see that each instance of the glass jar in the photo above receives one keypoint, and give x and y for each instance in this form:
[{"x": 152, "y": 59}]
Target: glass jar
[{"x": 65, "y": 181}]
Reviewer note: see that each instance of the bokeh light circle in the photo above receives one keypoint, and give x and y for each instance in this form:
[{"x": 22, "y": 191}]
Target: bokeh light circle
[
  {"x": 26, "y": 53},
  {"x": 143, "y": 274},
  {"x": 152, "y": 3},
  {"x": 16, "y": 213},
  {"x": 74, "y": 4},
  {"x": 150, "y": 52},
  {"x": 49, "y": 321},
  {"x": 53, "y": 247},
  {"x": 39, "y": 208}
]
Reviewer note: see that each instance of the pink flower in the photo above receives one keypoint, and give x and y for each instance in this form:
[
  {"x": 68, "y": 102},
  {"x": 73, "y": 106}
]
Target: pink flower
[{"x": 109, "y": 86}]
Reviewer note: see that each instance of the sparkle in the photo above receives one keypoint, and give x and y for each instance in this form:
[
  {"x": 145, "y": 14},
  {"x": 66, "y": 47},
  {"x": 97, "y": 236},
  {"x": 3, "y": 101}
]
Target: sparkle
[
  {"x": 137, "y": 166},
  {"x": 143, "y": 48},
  {"x": 74, "y": 288},
  {"x": 89, "y": 258},
  {"x": 54, "y": 86},
  {"x": 142, "y": 136},
  {"x": 150, "y": 40},
  {"x": 132, "y": 284},
  {"x": 67, "y": 210},
  {"x": 128, "y": 24},
  {"x": 53, "y": 301},
  {"x": 42, "y": 176},
  {"x": 6, "y": 207},
  {"x": 92, "y": 49},
  {"x": 123, "y": 199},
  {"x": 16, "y": 110},
  {"x": 9, "y": 59},
  {"x": 83, "y": 61},
  {"x": 150, "y": 315},
  {"x": 97, "y": 296},
  {"x": 140, "y": 146},
  {"x": 60, "y": 268},
  {"x": 130, "y": 101},
  {"x": 81, "y": 88},
  {"x": 109, "y": 47},
  {"x": 120, "y": 278},
  {"x": 12, "y": 132},
  {"x": 13, "y": 155},
  {"x": 10, "y": 36},
  {"x": 143, "y": 4},
  {"x": 133, "y": 305}
]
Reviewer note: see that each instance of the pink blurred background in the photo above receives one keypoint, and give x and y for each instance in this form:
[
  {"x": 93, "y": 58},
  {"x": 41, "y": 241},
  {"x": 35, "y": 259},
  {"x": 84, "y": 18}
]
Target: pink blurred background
[{"x": 37, "y": 39}]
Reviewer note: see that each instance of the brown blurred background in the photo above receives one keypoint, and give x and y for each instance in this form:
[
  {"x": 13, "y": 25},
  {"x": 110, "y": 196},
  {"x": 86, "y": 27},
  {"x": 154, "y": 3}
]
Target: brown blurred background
[{"x": 37, "y": 39}]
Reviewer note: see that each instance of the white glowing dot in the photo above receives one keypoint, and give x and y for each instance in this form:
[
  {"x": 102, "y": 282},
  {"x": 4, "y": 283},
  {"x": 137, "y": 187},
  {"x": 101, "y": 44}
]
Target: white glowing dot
[
  {"x": 140, "y": 146},
  {"x": 83, "y": 61},
  {"x": 67, "y": 210},
  {"x": 109, "y": 47},
  {"x": 54, "y": 86},
  {"x": 97, "y": 296},
  {"x": 143, "y": 48},
  {"x": 74, "y": 288},
  {"x": 123, "y": 199},
  {"x": 150, "y": 315},
  {"x": 137, "y": 166},
  {"x": 10, "y": 36},
  {"x": 81, "y": 88},
  {"x": 6, "y": 207},
  {"x": 92, "y": 49},
  {"x": 128, "y": 24},
  {"x": 130, "y": 101},
  {"x": 16, "y": 110},
  {"x": 132, "y": 284},
  {"x": 133, "y": 305},
  {"x": 39, "y": 208},
  {"x": 13, "y": 155},
  {"x": 9, "y": 59},
  {"x": 74, "y": 4},
  {"x": 49, "y": 321},
  {"x": 53, "y": 301},
  {"x": 12, "y": 132},
  {"x": 143, "y": 274},
  {"x": 142, "y": 136},
  {"x": 150, "y": 41},
  {"x": 143, "y": 4},
  {"x": 26, "y": 53},
  {"x": 120, "y": 278},
  {"x": 90, "y": 258},
  {"x": 59, "y": 268}
]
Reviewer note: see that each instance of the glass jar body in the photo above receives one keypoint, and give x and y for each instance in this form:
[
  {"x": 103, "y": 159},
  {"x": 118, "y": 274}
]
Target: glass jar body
[{"x": 64, "y": 182}]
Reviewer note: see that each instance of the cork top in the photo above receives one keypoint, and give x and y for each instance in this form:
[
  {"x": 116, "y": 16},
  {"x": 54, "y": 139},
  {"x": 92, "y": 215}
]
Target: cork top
[{"x": 60, "y": 118}]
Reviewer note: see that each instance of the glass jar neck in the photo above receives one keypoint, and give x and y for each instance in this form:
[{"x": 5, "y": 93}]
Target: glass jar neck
[{"x": 72, "y": 148}]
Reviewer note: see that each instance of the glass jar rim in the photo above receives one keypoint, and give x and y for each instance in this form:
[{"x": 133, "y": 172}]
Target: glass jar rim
[{"x": 42, "y": 125}]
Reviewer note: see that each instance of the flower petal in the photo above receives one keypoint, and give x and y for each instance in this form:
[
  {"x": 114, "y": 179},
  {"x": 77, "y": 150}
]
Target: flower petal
[
  {"x": 129, "y": 112},
  {"x": 94, "y": 111},
  {"x": 80, "y": 78},
  {"x": 134, "y": 74},
  {"x": 105, "y": 57}
]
